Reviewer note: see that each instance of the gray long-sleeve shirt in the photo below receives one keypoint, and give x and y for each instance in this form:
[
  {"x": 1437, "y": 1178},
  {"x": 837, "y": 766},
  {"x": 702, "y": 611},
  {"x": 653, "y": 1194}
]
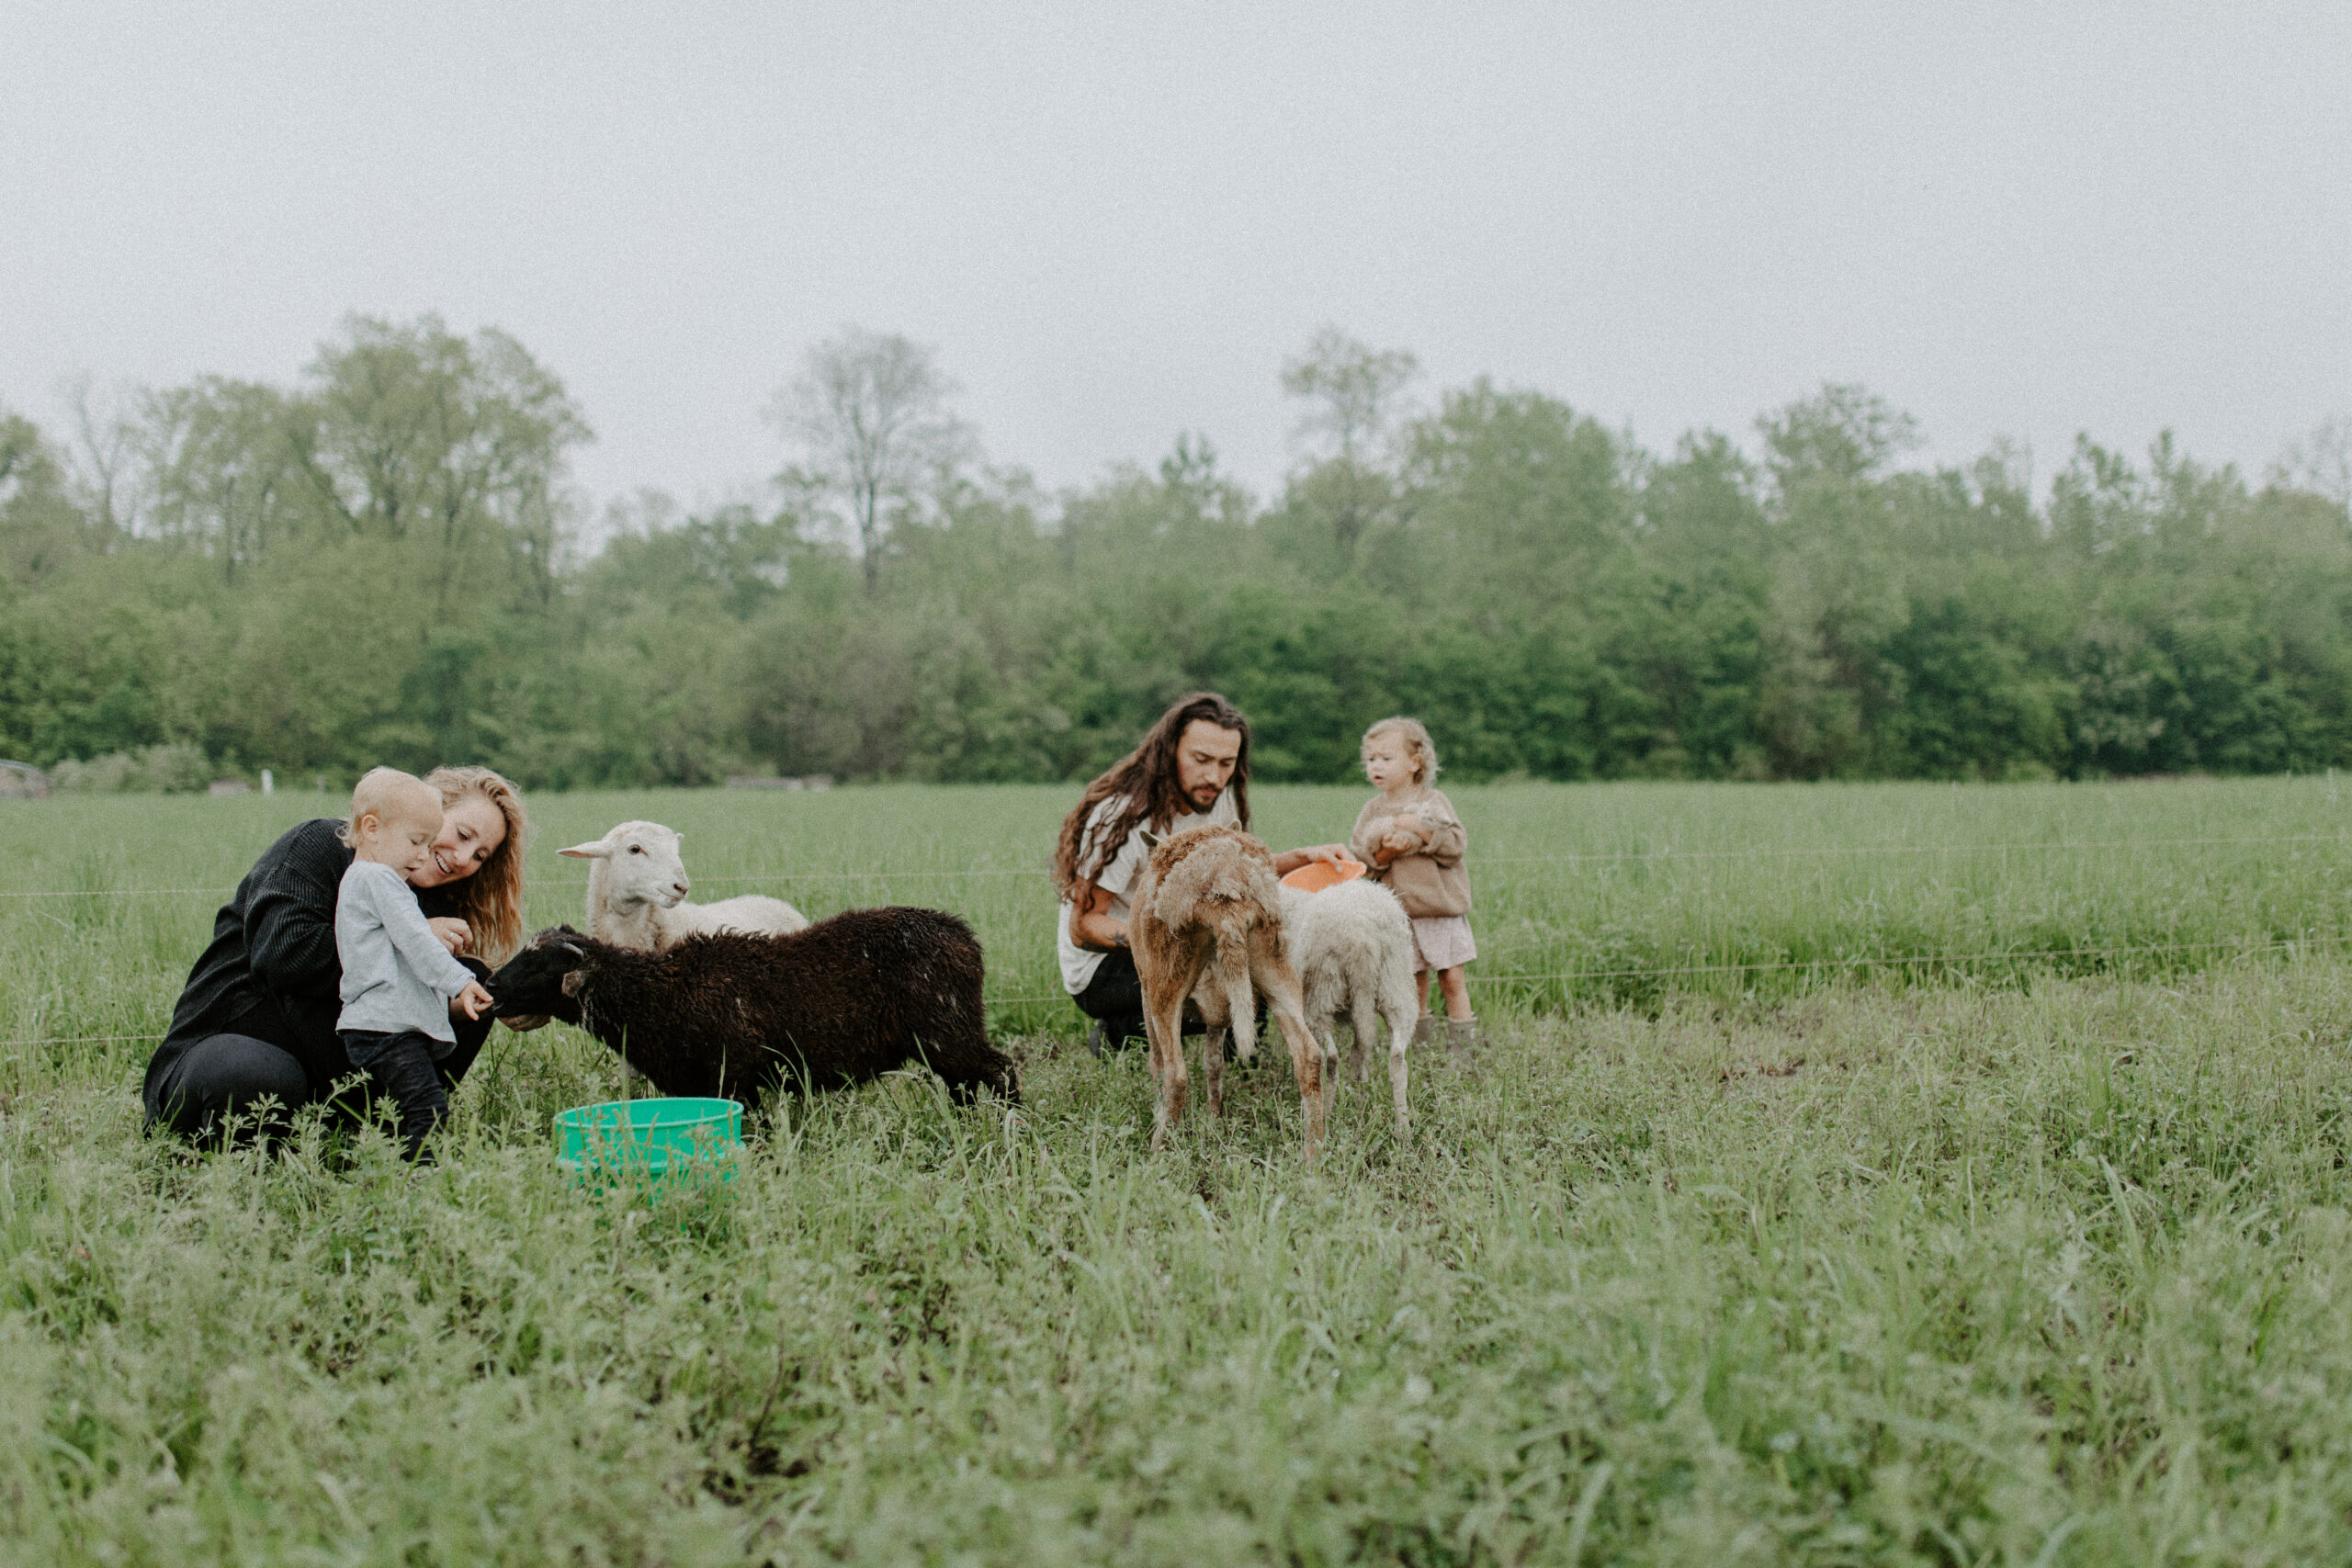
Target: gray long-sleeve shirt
[{"x": 396, "y": 975}]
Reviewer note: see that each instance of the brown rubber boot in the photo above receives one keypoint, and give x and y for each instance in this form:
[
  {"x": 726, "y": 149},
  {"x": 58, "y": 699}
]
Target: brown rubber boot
[
  {"x": 1425, "y": 1029},
  {"x": 1461, "y": 1038}
]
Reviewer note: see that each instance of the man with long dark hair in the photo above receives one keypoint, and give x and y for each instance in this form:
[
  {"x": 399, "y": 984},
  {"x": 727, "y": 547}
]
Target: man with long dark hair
[{"x": 1191, "y": 770}]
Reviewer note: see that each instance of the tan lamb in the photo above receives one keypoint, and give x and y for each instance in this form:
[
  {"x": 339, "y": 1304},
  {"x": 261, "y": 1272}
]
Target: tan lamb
[{"x": 1208, "y": 925}]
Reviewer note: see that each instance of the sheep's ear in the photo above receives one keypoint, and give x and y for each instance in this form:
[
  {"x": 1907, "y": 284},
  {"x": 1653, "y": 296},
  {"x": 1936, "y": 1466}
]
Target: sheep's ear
[
  {"x": 1152, "y": 840},
  {"x": 597, "y": 850},
  {"x": 573, "y": 981}
]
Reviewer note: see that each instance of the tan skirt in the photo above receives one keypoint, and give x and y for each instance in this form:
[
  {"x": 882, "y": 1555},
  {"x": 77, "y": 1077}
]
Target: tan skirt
[{"x": 1440, "y": 942}]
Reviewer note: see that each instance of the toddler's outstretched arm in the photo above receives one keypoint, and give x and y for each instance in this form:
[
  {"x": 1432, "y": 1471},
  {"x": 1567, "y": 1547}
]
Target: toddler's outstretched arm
[{"x": 473, "y": 1001}]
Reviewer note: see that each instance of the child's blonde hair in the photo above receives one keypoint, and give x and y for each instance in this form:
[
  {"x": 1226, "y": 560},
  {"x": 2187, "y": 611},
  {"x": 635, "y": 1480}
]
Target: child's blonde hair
[
  {"x": 386, "y": 793},
  {"x": 1418, "y": 744}
]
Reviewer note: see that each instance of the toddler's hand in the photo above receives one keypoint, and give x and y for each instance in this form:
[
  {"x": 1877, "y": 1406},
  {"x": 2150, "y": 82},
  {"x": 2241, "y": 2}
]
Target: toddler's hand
[
  {"x": 1400, "y": 842},
  {"x": 473, "y": 1001}
]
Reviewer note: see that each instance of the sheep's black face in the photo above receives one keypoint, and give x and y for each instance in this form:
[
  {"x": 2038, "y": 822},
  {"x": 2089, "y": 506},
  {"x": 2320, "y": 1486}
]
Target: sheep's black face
[{"x": 532, "y": 980}]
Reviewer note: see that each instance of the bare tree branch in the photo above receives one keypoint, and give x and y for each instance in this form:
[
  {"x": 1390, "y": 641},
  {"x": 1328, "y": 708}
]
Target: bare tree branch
[
  {"x": 1352, "y": 389},
  {"x": 870, "y": 412}
]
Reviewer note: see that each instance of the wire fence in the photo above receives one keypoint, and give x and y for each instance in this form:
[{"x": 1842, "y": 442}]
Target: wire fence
[
  {"x": 1887, "y": 961},
  {"x": 1894, "y": 961},
  {"x": 1636, "y": 975},
  {"x": 2075, "y": 846}
]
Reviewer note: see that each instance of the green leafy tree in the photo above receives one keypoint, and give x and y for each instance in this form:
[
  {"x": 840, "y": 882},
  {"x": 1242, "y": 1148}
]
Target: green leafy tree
[
  {"x": 40, "y": 528},
  {"x": 369, "y": 565},
  {"x": 457, "y": 444},
  {"x": 232, "y": 472}
]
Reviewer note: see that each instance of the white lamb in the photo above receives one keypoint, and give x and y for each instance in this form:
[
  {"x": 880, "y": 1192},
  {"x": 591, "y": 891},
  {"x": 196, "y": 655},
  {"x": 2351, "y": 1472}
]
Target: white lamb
[
  {"x": 636, "y": 893},
  {"x": 1352, "y": 946}
]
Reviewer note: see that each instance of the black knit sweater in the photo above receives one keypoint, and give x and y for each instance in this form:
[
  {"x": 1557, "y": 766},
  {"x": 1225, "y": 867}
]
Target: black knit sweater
[{"x": 271, "y": 971}]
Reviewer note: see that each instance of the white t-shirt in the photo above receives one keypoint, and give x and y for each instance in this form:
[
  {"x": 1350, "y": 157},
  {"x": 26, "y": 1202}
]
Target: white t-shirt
[{"x": 1078, "y": 964}]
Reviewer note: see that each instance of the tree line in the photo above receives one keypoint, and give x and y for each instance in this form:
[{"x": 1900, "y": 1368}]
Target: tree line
[{"x": 379, "y": 563}]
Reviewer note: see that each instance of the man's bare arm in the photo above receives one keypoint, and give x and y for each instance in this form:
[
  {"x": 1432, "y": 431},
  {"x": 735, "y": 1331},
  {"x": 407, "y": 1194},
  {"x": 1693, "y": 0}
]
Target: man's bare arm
[{"x": 1092, "y": 924}]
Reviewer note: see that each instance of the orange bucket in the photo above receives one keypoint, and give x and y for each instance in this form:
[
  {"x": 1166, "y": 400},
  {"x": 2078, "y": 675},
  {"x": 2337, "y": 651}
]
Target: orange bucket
[{"x": 1318, "y": 875}]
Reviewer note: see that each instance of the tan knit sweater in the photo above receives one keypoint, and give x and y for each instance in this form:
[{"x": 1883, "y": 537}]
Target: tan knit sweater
[{"x": 1429, "y": 881}]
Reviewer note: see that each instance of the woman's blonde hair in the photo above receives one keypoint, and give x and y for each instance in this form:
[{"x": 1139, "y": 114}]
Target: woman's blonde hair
[
  {"x": 492, "y": 896},
  {"x": 1418, "y": 743}
]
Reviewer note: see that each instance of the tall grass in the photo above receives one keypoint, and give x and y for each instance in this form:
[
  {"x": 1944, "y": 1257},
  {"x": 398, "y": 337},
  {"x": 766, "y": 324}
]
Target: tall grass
[
  {"x": 1934, "y": 1276},
  {"x": 2030, "y": 1267},
  {"x": 1620, "y": 892}
]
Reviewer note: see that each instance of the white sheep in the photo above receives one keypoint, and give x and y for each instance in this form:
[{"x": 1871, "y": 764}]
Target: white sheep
[
  {"x": 636, "y": 893},
  {"x": 1352, "y": 946}
]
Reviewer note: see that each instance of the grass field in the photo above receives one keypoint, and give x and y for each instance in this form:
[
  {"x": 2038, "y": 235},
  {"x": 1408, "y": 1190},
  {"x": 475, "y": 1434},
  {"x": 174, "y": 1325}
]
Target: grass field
[{"x": 1902, "y": 1174}]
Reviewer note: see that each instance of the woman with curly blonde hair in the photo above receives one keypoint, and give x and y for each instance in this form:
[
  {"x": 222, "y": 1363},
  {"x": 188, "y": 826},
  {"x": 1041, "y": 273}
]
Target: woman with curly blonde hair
[{"x": 253, "y": 1033}]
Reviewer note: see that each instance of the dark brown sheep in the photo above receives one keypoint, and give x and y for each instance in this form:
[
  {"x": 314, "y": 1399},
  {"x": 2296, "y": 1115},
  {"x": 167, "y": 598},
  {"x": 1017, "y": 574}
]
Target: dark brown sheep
[{"x": 730, "y": 1014}]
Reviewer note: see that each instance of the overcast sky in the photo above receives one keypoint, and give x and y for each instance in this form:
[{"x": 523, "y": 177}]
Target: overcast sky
[{"x": 1115, "y": 220}]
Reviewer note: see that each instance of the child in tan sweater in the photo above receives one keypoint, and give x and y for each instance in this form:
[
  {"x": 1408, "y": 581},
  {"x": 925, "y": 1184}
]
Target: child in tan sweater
[{"x": 1414, "y": 842}]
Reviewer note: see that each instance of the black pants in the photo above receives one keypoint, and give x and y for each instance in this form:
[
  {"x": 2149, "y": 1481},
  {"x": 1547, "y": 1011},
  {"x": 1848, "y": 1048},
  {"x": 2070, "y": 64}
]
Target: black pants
[
  {"x": 222, "y": 1076},
  {"x": 1115, "y": 996},
  {"x": 403, "y": 1068}
]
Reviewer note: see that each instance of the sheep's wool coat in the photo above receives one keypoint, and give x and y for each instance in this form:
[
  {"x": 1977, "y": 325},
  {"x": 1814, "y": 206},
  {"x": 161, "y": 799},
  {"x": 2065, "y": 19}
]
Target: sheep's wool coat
[
  {"x": 731, "y": 1014},
  {"x": 1208, "y": 914}
]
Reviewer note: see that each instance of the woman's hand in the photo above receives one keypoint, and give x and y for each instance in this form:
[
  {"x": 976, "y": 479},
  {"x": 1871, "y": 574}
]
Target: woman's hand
[{"x": 455, "y": 934}]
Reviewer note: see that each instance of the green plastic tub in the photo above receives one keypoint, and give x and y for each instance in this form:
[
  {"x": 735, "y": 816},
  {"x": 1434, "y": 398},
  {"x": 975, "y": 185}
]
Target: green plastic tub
[{"x": 649, "y": 1138}]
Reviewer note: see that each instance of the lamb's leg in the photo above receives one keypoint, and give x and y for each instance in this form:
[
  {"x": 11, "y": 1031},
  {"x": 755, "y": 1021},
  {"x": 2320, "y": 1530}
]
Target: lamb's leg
[
  {"x": 1164, "y": 1026},
  {"x": 1327, "y": 1036},
  {"x": 1168, "y": 1073},
  {"x": 1363, "y": 1015},
  {"x": 1216, "y": 1021},
  {"x": 1306, "y": 1065},
  {"x": 1151, "y": 1059},
  {"x": 1400, "y": 1019},
  {"x": 1235, "y": 961},
  {"x": 1273, "y": 976}
]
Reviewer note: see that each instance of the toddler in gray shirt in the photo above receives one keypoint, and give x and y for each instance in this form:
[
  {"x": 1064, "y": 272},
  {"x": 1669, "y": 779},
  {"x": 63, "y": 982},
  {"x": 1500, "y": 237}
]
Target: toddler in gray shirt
[{"x": 399, "y": 981}]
